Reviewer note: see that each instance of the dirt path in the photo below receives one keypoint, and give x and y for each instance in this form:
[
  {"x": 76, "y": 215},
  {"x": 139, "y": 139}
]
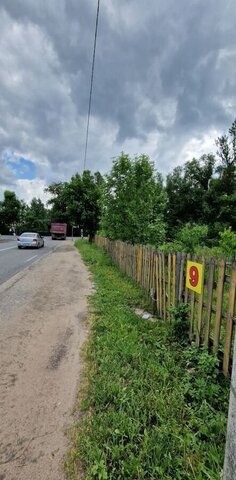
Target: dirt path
[{"x": 42, "y": 326}]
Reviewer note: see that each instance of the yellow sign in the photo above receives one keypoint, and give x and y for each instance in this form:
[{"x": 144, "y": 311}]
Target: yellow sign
[{"x": 194, "y": 276}]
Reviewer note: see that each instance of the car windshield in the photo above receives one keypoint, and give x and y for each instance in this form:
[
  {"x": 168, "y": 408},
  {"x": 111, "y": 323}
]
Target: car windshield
[{"x": 28, "y": 234}]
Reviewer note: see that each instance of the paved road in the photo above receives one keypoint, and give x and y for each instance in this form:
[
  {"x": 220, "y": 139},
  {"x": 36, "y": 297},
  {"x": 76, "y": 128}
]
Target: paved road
[{"x": 13, "y": 260}]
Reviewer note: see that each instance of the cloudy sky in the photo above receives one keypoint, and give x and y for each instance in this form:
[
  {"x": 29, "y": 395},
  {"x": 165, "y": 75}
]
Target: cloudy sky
[{"x": 164, "y": 84}]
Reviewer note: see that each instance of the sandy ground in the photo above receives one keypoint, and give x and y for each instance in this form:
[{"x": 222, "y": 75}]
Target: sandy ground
[{"x": 43, "y": 315}]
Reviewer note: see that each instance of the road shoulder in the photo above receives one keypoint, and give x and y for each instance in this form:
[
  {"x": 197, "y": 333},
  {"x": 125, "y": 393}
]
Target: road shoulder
[{"x": 43, "y": 325}]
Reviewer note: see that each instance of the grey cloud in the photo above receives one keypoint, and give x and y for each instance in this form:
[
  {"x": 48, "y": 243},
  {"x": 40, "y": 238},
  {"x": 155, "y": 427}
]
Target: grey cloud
[
  {"x": 7, "y": 177},
  {"x": 162, "y": 68}
]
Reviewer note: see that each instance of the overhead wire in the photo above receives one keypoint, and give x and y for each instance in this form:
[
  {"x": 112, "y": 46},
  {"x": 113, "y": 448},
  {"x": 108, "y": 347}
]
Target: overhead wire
[{"x": 91, "y": 85}]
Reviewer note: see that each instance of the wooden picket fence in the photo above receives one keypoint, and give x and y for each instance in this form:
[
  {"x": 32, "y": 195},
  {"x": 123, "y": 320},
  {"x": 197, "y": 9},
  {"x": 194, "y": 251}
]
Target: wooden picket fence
[{"x": 163, "y": 277}]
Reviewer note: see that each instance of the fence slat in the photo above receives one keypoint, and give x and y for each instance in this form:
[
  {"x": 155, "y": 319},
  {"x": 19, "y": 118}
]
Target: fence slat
[
  {"x": 164, "y": 285},
  {"x": 144, "y": 267},
  {"x": 177, "y": 276},
  {"x": 150, "y": 269},
  {"x": 229, "y": 321},
  {"x": 160, "y": 285},
  {"x": 192, "y": 299},
  {"x": 210, "y": 285},
  {"x": 169, "y": 285},
  {"x": 142, "y": 271},
  {"x": 157, "y": 284},
  {"x": 181, "y": 277},
  {"x": 186, "y": 292},
  {"x": 200, "y": 307},
  {"x": 152, "y": 284},
  {"x": 219, "y": 302},
  {"x": 173, "y": 279}
]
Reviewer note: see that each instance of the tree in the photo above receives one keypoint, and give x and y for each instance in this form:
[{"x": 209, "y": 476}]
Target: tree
[
  {"x": 77, "y": 202},
  {"x": 188, "y": 190},
  {"x": 227, "y": 167},
  {"x": 133, "y": 201},
  {"x": 10, "y": 210},
  {"x": 222, "y": 194},
  {"x": 35, "y": 216},
  {"x": 58, "y": 201}
]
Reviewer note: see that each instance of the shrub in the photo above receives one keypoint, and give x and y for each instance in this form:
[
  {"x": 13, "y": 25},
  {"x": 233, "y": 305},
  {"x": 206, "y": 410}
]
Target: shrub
[
  {"x": 180, "y": 321},
  {"x": 192, "y": 235},
  {"x": 227, "y": 242}
]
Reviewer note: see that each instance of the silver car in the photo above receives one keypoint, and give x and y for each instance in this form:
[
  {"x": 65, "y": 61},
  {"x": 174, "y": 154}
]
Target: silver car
[{"x": 30, "y": 239}]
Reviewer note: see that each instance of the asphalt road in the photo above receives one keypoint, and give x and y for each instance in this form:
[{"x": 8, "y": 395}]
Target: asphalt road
[{"x": 13, "y": 260}]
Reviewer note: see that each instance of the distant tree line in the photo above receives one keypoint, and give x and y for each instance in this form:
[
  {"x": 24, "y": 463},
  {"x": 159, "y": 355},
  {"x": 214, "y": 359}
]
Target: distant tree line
[
  {"x": 196, "y": 205},
  {"x": 76, "y": 202},
  {"x": 16, "y": 215}
]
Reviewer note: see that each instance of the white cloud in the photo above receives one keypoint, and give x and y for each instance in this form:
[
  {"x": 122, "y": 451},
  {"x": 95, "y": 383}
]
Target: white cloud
[
  {"x": 198, "y": 146},
  {"x": 28, "y": 189}
]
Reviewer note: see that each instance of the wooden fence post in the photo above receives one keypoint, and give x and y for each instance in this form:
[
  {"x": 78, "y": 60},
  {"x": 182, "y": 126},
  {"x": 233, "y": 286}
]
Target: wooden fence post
[
  {"x": 229, "y": 320},
  {"x": 200, "y": 305},
  {"x": 169, "y": 286},
  {"x": 174, "y": 279},
  {"x": 210, "y": 285},
  {"x": 164, "y": 284},
  {"x": 230, "y": 449},
  {"x": 219, "y": 302},
  {"x": 157, "y": 284}
]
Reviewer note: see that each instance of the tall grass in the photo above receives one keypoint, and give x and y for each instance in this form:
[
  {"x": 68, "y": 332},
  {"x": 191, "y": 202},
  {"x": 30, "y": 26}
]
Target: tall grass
[{"x": 152, "y": 407}]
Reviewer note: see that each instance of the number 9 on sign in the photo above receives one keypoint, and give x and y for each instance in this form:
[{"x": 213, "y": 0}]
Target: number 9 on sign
[{"x": 194, "y": 276}]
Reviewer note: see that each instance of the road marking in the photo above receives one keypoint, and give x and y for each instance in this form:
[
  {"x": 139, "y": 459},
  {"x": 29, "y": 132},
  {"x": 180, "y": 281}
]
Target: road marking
[
  {"x": 31, "y": 258},
  {"x": 8, "y": 248}
]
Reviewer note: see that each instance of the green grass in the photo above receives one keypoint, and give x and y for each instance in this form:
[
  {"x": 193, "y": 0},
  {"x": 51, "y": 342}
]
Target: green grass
[{"x": 150, "y": 407}]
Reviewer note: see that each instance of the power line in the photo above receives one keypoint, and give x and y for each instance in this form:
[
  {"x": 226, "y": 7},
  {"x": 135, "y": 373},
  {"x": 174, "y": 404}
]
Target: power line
[{"x": 91, "y": 84}]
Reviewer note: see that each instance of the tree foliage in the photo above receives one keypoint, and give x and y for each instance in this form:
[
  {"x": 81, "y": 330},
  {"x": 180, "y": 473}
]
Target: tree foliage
[
  {"x": 77, "y": 202},
  {"x": 10, "y": 211},
  {"x": 188, "y": 193},
  {"x": 191, "y": 236},
  {"x": 133, "y": 201},
  {"x": 35, "y": 217}
]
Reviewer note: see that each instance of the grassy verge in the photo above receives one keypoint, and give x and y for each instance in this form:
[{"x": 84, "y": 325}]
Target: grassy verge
[{"x": 152, "y": 408}]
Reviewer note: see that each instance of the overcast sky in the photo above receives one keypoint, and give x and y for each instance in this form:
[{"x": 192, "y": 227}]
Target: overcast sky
[{"x": 164, "y": 84}]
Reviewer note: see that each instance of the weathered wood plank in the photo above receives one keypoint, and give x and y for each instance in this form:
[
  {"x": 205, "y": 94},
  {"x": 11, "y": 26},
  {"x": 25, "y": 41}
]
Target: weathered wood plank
[
  {"x": 181, "y": 277},
  {"x": 200, "y": 306},
  {"x": 229, "y": 321},
  {"x": 192, "y": 300},
  {"x": 177, "y": 276},
  {"x": 157, "y": 285},
  {"x": 164, "y": 285},
  {"x": 173, "y": 278},
  {"x": 169, "y": 285},
  {"x": 209, "y": 302},
  {"x": 219, "y": 303},
  {"x": 160, "y": 285}
]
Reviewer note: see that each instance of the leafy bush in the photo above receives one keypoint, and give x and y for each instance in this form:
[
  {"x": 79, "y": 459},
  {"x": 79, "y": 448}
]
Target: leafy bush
[
  {"x": 188, "y": 239},
  {"x": 227, "y": 242},
  {"x": 170, "y": 247},
  {"x": 156, "y": 231},
  {"x": 192, "y": 236},
  {"x": 213, "y": 252},
  {"x": 180, "y": 321}
]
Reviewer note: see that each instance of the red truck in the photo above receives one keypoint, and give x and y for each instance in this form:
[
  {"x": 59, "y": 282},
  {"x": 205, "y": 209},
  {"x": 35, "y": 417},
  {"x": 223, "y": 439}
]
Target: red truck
[{"x": 58, "y": 231}]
